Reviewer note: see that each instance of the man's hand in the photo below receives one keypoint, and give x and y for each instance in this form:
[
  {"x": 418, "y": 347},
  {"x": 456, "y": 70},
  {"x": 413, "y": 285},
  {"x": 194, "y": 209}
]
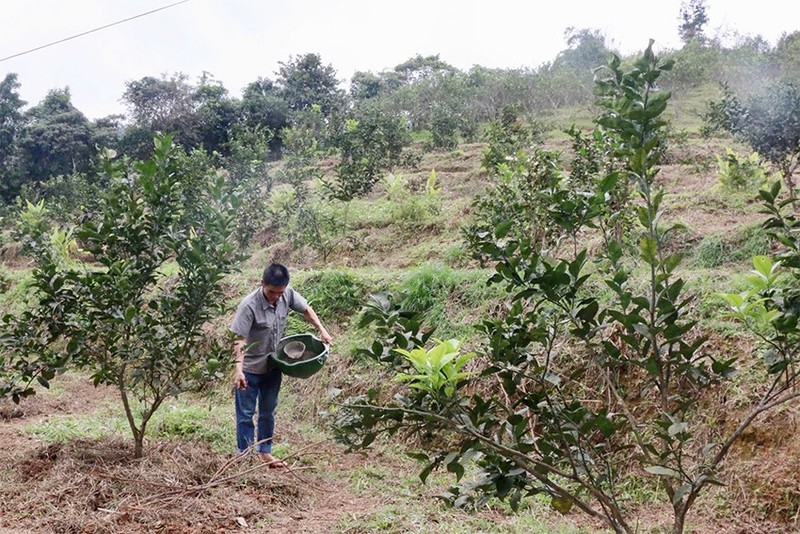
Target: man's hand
[
  {"x": 240, "y": 382},
  {"x": 326, "y": 337},
  {"x": 311, "y": 317}
]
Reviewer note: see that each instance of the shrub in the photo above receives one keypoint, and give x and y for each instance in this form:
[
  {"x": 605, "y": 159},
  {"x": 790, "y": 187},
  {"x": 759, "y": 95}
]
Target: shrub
[
  {"x": 591, "y": 384},
  {"x": 321, "y": 226},
  {"x": 371, "y": 141},
  {"x": 444, "y": 131},
  {"x": 767, "y": 121},
  {"x": 505, "y": 136},
  {"x": 740, "y": 172},
  {"x": 412, "y": 210},
  {"x": 520, "y": 198},
  {"x": 67, "y": 197}
]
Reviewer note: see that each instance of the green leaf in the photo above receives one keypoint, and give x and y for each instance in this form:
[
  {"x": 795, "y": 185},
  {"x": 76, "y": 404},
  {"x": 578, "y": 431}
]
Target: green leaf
[
  {"x": 423, "y": 475},
  {"x": 677, "y": 428},
  {"x": 734, "y": 299},
  {"x": 614, "y": 251},
  {"x": 502, "y": 229},
  {"x": 561, "y": 504},
  {"x": 763, "y": 265},
  {"x": 663, "y": 471},
  {"x": 672, "y": 261},
  {"x": 456, "y": 468},
  {"x": 648, "y": 249},
  {"x": 73, "y": 346},
  {"x": 644, "y": 216}
]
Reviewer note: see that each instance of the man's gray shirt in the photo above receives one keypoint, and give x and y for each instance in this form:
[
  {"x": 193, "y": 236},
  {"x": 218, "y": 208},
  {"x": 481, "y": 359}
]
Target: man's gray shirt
[{"x": 261, "y": 325}]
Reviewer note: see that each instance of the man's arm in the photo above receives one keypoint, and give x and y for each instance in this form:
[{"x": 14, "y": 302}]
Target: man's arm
[
  {"x": 239, "y": 381},
  {"x": 311, "y": 316},
  {"x": 240, "y": 326}
]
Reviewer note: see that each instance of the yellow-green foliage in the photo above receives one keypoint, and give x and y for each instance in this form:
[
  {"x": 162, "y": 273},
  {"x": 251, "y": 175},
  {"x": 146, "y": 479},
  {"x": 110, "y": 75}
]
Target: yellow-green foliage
[
  {"x": 438, "y": 370},
  {"x": 739, "y": 172}
]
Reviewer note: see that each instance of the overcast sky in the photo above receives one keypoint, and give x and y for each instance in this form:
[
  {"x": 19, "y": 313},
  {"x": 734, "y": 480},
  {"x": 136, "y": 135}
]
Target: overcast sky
[{"x": 238, "y": 41}]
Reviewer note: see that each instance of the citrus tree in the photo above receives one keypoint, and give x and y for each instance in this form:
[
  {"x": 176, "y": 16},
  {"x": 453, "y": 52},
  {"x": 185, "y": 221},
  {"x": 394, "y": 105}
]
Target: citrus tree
[
  {"x": 594, "y": 373},
  {"x": 136, "y": 316}
]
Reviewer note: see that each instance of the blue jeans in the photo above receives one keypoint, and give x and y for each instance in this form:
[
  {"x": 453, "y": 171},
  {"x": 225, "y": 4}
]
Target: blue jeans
[{"x": 261, "y": 390}]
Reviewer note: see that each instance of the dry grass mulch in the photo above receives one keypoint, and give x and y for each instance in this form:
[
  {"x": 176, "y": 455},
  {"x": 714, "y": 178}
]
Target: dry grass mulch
[{"x": 94, "y": 487}]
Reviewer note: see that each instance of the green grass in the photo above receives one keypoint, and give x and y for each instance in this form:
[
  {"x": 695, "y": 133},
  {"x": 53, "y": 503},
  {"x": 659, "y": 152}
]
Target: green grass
[
  {"x": 712, "y": 251},
  {"x": 14, "y": 288},
  {"x": 336, "y": 293},
  {"x": 213, "y": 424},
  {"x": 59, "y": 429},
  {"x": 446, "y": 297},
  {"x": 411, "y": 507},
  {"x": 716, "y": 250},
  {"x": 183, "y": 419}
]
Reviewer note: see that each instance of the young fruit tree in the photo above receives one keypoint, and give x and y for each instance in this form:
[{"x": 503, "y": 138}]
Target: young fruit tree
[
  {"x": 593, "y": 374},
  {"x": 136, "y": 315},
  {"x": 768, "y": 121}
]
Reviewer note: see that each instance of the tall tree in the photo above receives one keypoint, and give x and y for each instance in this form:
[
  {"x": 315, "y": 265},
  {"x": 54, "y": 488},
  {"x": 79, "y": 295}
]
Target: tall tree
[
  {"x": 10, "y": 121},
  {"x": 787, "y": 56},
  {"x": 693, "y": 17},
  {"x": 55, "y": 139},
  {"x": 365, "y": 85},
  {"x": 423, "y": 67},
  {"x": 264, "y": 109},
  {"x": 216, "y": 113},
  {"x": 159, "y": 105},
  {"x": 107, "y": 131},
  {"x": 568, "y": 79},
  {"x": 304, "y": 82},
  {"x": 586, "y": 50}
]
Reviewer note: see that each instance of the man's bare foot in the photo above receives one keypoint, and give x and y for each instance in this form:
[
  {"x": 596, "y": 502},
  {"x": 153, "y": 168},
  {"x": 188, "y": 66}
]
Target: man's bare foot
[{"x": 271, "y": 461}]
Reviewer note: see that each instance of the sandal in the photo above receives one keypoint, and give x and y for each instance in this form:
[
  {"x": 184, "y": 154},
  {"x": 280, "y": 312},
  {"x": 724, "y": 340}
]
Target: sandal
[{"x": 272, "y": 462}]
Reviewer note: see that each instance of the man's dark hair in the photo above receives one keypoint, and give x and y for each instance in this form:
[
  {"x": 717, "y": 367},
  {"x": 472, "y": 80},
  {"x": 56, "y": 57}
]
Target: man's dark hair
[{"x": 276, "y": 275}]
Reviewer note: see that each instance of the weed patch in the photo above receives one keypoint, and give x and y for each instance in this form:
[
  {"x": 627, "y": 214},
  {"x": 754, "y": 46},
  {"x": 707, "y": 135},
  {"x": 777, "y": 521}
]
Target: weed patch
[{"x": 335, "y": 294}]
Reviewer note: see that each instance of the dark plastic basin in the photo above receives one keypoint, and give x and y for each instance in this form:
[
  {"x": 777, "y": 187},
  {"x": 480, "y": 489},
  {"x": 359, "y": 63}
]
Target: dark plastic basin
[{"x": 312, "y": 360}]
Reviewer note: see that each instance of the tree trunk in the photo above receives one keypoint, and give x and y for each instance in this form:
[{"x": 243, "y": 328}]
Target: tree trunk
[
  {"x": 678, "y": 523},
  {"x": 138, "y": 445},
  {"x": 788, "y": 180},
  {"x": 138, "y": 432}
]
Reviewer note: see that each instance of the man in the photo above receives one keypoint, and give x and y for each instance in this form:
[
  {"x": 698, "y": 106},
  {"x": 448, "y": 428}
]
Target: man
[{"x": 259, "y": 322}]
